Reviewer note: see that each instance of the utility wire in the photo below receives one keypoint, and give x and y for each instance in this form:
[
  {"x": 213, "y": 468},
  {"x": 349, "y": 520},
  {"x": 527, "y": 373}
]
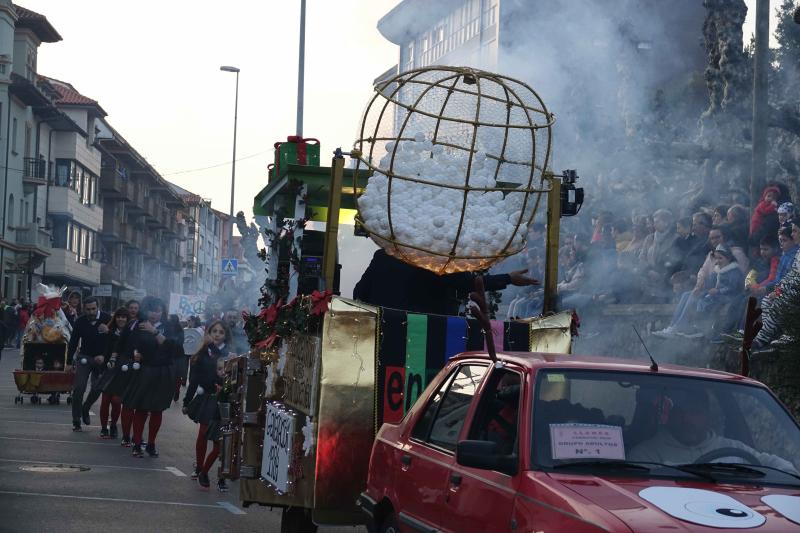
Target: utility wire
[{"x": 215, "y": 166}]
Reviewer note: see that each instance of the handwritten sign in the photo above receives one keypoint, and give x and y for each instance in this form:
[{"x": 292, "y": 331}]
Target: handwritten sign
[
  {"x": 185, "y": 305},
  {"x": 278, "y": 443},
  {"x": 586, "y": 441},
  {"x": 301, "y": 373}
]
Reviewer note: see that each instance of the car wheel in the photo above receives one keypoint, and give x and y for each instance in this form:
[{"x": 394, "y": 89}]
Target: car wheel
[{"x": 389, "y": 524}]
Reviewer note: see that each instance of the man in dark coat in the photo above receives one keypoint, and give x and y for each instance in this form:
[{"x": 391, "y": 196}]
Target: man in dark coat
[
  {"x": 91, "y": 330},
  {"x": 389, "y": 282}
]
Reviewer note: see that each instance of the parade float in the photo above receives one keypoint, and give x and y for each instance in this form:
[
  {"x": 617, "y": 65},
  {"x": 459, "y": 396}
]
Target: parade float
[
  {"x": 43, "y": 354},
  {"x": 451, "y": 168}
]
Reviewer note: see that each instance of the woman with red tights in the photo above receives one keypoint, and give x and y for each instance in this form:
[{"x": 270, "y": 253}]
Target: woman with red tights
[
  {"x": 113, "y": 381},
  {"x": 152, "y": 382},
  {"x": 200, "y": 402}
]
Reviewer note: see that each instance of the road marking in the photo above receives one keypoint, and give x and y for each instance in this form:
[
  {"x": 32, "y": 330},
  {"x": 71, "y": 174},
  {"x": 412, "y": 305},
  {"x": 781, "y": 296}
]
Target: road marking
[
  {"x": 231, "y": 508},
  {"x": 165, "y": 470},
  {"x": 62, "y": 441},
  {"x": 175, "y": 471},
  {"x": 120, "y": 500},
  {"x": 37, "y": 423}
]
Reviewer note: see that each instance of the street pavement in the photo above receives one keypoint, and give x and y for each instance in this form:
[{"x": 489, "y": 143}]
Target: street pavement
[{"x": 112, "y": 491}]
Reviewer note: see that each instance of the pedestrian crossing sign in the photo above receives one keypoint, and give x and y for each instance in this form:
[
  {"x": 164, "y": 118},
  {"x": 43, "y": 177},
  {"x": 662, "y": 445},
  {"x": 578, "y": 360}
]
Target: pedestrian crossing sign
[{"x": 230, "y": 267}]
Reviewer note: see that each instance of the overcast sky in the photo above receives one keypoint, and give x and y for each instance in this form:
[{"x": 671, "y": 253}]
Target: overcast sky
[{"x": 154, "y": 67}]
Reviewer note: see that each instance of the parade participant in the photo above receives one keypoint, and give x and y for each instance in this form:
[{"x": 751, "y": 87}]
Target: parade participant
[
  {"x": 133, "y": 309},
  {"x": 72, "y": 307},
  {"x": 121, "y": 372},
  {"x": 91, "y": 331},
  {"x": 111, "y": 379},
  {"x": 152, "y": 385},
  {"x": 175, "y": 332},
  {"x": 200, "y": 402},
  {"x": 389, "y": 282}
]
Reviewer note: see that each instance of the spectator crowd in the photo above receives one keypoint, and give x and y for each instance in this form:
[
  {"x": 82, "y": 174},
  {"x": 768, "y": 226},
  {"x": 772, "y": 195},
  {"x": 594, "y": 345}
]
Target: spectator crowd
[{"x": 705, "y": 262}]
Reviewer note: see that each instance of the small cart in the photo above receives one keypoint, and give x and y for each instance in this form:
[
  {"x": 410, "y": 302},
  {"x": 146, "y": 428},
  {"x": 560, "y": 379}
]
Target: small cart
[{"x": 43, "y": 372}]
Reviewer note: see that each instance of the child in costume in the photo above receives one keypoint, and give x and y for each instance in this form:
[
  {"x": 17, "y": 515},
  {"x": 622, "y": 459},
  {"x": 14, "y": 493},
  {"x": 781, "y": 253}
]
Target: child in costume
[{"x": 201, "y": 400}]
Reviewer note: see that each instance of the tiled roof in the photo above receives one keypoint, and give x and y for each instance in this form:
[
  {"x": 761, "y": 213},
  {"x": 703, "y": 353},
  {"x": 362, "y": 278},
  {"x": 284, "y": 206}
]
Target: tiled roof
[
  {"x": 68, "y": 95},
  {"x": 38, "y": 23}
]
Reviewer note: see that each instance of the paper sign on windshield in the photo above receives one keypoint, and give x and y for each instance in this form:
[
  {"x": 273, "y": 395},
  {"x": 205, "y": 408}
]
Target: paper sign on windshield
[{"x": 586, "y": 441}]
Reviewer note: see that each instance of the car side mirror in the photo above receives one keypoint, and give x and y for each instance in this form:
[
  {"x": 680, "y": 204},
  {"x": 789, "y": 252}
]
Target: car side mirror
[{"x": 485, "y": 455}]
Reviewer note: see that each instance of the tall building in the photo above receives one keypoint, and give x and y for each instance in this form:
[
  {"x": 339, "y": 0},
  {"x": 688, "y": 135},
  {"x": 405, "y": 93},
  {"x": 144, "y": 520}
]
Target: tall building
[
  {"x": 206, "y": 244},
  {"x": 31, "y": 126},
  {"x": 140, "y": 243},
  {"x": 74, "y": 211},
  {"x": 602, "y": 66}
]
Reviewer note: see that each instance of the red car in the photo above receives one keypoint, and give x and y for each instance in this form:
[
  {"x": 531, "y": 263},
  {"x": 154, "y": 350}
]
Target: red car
[{"x": 554, "y": 443}]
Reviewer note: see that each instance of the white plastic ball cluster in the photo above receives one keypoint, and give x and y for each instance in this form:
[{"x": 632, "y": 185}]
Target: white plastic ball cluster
[{"x": 427, "y": 216}]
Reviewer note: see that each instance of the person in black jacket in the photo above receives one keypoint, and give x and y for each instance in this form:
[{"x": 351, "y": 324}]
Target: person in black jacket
[
  {"x": 113, "y": 378},
  {"x": 152, "y": 383},
  {"x": 200, "y": 402},
  {"x": 389, "y": 282},
  {"x": 91, "y": 332}
]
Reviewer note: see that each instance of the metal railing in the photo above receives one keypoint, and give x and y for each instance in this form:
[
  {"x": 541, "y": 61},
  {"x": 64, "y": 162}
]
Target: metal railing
[{"x": 35, "y": 168}]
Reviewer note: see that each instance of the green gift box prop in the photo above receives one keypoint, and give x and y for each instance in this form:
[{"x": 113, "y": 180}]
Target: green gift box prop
[{"x": 295, "y": 151}]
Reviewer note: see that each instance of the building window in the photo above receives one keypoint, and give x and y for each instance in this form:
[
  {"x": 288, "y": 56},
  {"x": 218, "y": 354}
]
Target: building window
[
  {"x": 81, "y": 241},
  {"x": 28, "y": 131},
  {"x": 72, "y": 174},
  {"x": 11, "y": 209},
  {"x": 14, "y": 136}
]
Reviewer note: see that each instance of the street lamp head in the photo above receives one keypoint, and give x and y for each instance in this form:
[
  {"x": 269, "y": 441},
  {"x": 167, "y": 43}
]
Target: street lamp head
[{"x": 228, "y": 68}]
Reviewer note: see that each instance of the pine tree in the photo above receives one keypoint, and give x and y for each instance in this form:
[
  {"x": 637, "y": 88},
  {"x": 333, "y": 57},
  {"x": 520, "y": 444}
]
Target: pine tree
[
  {"x": 787, "y": 55},
  {"x": 787, "y": 307}
]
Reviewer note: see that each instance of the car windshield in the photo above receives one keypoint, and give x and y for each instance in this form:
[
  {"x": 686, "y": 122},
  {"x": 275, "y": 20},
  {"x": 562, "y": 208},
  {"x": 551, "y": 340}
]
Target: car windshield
[{"x": 584, "y": 415}]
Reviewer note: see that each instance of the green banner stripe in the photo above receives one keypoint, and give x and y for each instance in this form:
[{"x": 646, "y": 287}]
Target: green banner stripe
[{"x": 416, "y": 346}]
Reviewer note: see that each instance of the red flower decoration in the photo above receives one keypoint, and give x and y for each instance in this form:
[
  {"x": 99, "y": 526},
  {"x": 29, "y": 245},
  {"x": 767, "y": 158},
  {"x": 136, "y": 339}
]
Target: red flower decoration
[
  {"x": 269, "y": 314},
  {"x": 268, "y": 342},
  {"x": 320, "y": 301}
]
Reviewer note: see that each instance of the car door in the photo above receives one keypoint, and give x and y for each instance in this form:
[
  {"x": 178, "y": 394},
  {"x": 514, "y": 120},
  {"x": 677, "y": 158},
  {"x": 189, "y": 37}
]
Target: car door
[
  {"x": 483, "y": 500},
  {"x": 428, "y": 451}
]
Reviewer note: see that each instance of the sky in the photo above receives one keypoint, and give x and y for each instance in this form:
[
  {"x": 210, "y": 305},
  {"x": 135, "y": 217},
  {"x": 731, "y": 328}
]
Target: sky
[{"x": 154, "y": 67}]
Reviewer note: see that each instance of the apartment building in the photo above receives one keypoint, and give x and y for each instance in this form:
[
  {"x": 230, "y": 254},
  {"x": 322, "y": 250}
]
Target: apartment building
[
  {"x": 142, "y": 236},
  {"x": 206, "y": 244},
  {"x": 31, "y": 126}
]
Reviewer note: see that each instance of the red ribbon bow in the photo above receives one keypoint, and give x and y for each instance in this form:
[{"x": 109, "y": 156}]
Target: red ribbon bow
[{"x": 47, "y": 307}]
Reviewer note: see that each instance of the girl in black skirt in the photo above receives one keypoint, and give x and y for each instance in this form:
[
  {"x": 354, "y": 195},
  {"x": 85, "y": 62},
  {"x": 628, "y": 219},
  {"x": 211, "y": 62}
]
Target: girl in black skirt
[
  {"x": 152, "y": 385},
  {"x": 112, "y": 378},
  {"x": 200, "y": 402}
]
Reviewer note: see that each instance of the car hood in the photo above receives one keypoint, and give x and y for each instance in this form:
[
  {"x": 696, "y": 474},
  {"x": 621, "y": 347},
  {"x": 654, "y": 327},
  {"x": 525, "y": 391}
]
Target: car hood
[{"x": 647, "y": 504}]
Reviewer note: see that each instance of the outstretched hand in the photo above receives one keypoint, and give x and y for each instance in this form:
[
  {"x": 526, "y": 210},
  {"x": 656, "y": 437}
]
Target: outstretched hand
[{"x": 519, "y": 278}]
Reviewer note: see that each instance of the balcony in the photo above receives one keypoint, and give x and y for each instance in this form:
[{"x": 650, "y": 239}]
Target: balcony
[
  {"x": 114, "y": 185},
  {"x": 136, "y": 194},
  {"x": 110, "y": 274},
  {"x": 112, "y": 228},
  {"x": 33, "y": 238},
  {"x": 34, "y": 171},
  {"x": 64, "y": 201},
  {"x": 63, "y": 265}
]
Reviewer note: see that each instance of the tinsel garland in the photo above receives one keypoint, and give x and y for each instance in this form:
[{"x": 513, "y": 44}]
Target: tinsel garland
[{"x": 303, "y": 314}]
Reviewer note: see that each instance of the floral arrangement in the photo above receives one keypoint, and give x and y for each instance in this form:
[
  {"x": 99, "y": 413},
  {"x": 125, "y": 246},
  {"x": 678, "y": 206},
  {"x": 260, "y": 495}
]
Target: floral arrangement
[{"x": 279, "y": 321}]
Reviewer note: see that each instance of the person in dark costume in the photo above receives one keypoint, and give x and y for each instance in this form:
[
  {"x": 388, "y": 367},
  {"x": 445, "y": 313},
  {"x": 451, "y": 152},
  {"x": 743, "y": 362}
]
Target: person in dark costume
[
  {"x": 90, "y": 332},
  {"x": 200, "y": 402},
  {"x": 112, "y": 383},
  {"x": 175, "y": 332},
  {"x": 389, "y": 282},
  {"x": 121, "y": 373},
  {"x": 152, "y": 384}
]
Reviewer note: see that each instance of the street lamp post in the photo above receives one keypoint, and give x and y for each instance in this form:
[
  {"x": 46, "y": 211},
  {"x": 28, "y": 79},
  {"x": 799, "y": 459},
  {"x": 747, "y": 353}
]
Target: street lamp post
[
  {"x": 228, "y": 68},
  {"x": 235, "y": 119}
]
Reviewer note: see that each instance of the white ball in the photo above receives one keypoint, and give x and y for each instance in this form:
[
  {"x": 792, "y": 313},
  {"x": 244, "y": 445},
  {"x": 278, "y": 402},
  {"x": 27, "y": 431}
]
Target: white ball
[
  {"x": 419, "y": 137},
  {"x": 200, "y": 390},
  {"x": 136, "y": 366},
  {"x": 84, "y": 360},
  {"x": 124, "y": 368}
]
